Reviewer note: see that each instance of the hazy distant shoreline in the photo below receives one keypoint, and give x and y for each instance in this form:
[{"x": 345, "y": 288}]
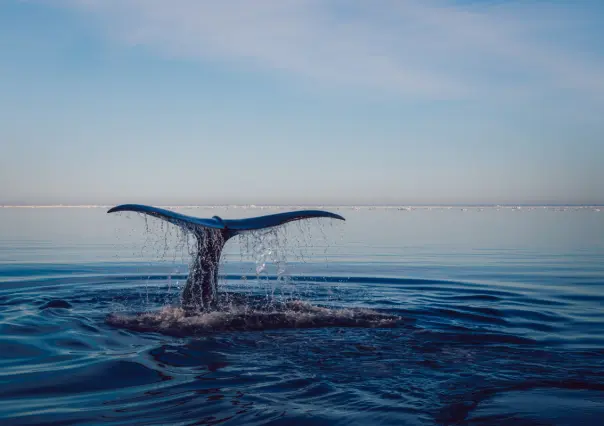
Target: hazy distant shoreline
[{"x": 310, "y": 206}]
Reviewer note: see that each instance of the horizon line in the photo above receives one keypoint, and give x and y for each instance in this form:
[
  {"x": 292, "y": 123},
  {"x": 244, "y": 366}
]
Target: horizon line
[{"x": 254, "y": 205}]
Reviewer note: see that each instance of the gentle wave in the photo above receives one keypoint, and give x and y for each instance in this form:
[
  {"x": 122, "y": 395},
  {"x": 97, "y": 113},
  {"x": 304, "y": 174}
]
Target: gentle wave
[{"x": 356, "y": 349}]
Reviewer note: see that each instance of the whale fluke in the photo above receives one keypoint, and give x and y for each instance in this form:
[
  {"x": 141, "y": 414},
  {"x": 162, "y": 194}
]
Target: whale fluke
[
  {"x": 201, "y": 290},
  {"x": 168, "y": 215}
]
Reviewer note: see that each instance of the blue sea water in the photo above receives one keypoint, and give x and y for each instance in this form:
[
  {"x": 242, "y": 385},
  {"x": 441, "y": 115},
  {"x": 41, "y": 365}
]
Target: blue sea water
[{"x": 500, "y": 320}]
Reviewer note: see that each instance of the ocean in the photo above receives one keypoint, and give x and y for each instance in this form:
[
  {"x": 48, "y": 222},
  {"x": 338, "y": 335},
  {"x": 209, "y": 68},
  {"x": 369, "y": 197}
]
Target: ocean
[{"x": 398, "y": 316}]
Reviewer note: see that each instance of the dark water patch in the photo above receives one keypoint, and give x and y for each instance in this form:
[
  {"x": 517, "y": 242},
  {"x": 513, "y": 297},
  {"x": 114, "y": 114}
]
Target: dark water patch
[
  {"x": 97, "y": 376},
  {"x": 534, "y": 326},
  {"x": 471, "y": 336},
  {"x": 72, "y": 344},
  {"x": 540, "y": 407},
  {"x": 89, "y": 328},
  {"x": 545, "y": 317},
  {"x": 520, "y": 403},
  {"x": 31, "y": 328},
  {"x": 14, "y": 349},
  {"x": 485, "y": 311},
  {"x": 533, "y": 302},
  {"x": 451, "y": 314},
  {"x": 582, "y": 297},
  {"x": 474, "y": 297},
  {"x": 197, "y": 353},
  {"x": 56, "y": 304}
]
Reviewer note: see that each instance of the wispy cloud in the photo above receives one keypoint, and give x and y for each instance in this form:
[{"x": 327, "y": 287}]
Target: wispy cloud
[{"x": 419, "y": 48}]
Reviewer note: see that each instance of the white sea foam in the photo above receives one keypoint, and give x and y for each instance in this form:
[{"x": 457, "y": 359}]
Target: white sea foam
[{"x": 243, "y": 317}]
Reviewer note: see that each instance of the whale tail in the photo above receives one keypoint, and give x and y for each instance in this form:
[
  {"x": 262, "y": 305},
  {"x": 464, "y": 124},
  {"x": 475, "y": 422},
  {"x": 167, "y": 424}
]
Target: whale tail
[{"x": 201, "y": 290}]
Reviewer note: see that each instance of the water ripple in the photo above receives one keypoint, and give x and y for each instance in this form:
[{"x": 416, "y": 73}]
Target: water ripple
[{"x": 422, "y": 352}]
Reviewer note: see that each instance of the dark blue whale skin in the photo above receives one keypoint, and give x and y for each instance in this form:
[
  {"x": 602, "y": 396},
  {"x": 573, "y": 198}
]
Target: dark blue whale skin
[{"x": 200, "y": 292}]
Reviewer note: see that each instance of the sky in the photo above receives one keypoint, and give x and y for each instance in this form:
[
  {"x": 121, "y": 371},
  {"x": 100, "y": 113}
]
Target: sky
[{"x": 301, "y": 101}]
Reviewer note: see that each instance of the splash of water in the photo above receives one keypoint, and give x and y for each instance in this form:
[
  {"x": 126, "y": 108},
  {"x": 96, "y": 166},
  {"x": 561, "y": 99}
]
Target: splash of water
[
  {"x": 277, "y": 251},
  {"x": 255, "y": 304},
  {"x": 246, "y": 317},
  {"x": 163, "y": 247}
]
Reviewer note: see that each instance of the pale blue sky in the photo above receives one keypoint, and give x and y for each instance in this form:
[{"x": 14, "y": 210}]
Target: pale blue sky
[{"x": 301, "y": 101}]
